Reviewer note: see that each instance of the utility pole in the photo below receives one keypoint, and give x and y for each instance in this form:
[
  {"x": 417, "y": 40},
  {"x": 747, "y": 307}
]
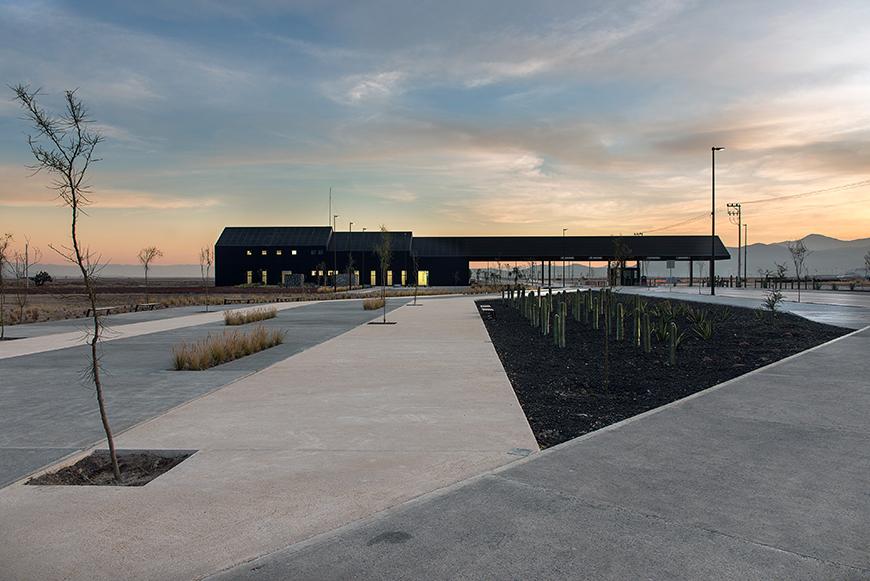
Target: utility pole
[
  {"x": 334, "y": 256},
  {"x": 713, "y": 151},
  {"x": 734, "y": 210}
]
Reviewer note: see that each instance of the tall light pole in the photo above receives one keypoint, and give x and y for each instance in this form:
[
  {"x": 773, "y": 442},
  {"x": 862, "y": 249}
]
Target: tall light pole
[
  {"x": 363, "y": 271},
  {"x": 349, "y": 256},
  {"x": 334, "y": 256},
  {"x": 639, "y": 262},
  {"x": 745, "y": 254},
  {"x": 734, "y": 211},
  {"x": 563, "y": 256},
  {"x": 713, "y": 151}
]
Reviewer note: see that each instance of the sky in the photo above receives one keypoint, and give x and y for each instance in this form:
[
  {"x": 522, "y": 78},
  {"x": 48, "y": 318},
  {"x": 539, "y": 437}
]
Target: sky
[{"x": 444, "y": 117}]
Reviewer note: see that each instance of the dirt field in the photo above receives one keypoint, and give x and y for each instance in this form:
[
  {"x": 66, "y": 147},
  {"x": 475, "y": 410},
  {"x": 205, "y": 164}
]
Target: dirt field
[{"x": 66, "y": 298}]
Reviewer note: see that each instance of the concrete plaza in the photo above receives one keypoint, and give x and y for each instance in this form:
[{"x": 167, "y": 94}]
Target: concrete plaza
[
  {"x": 368, "y": 452},
  {"x": 348, "y": 427},
  {"x": 762, "y": 477}
]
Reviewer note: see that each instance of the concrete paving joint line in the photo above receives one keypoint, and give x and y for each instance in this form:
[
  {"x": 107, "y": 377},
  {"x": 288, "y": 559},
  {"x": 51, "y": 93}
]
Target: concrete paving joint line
[
  {"x": 495, "y": 472},
  {"x": 84, "y": 452}
]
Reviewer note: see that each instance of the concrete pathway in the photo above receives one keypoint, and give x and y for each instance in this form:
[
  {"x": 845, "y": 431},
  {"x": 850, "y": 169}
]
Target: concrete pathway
[
  {"x": 762, "y": 477},
  {"x": 51, "y": 342},
  {"x": 350, "y": 427},
  {"x": 47, "y": 411},
  {"x": 832, "y": 308}
]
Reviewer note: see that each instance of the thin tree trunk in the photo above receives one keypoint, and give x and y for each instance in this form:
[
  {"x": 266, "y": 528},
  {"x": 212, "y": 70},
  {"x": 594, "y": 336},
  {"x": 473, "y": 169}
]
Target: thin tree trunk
[{"x": 95, "y": 361}]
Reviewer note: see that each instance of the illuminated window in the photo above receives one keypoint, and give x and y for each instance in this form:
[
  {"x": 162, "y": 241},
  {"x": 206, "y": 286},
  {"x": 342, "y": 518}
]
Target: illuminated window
[
  {"x": 248, "y": 252},
  {"x": 264, "y": 252},
  {"x": 265, "y": 277},
  {"x": 293, "y": 252},
  {"x": 404, "y": 278},
  {"x": 373, "y": 278},
  {"x": 250, "y": 276},
  {"x": 313, "y": 273},
  {"x": 423, "y": 278},
  {"x": 279, "y": 252},
  {"x": 389, "y": 278}
]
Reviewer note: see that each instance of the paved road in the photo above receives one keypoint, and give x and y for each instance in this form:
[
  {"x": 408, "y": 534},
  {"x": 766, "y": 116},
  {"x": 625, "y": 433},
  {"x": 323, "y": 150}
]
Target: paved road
[
  {"x": 764, "y": 477},
  {"x": 48, "y": 412}
]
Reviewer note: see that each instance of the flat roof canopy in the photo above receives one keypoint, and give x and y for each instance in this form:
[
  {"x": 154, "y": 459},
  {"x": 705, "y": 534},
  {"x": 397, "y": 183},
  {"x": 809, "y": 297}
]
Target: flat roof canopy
[
  {"x": 481, "y": 248},
  {"x": 521, "y": 248}
]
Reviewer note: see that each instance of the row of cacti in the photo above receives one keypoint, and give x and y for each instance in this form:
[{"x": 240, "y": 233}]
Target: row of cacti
[{"x": 601, "y": 309}]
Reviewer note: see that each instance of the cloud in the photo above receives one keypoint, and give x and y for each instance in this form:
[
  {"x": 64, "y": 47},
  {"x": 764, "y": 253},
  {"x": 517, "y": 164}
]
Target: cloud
[
  {"x": 400, "y": 196},
  {"x": 19, "y": 189}
]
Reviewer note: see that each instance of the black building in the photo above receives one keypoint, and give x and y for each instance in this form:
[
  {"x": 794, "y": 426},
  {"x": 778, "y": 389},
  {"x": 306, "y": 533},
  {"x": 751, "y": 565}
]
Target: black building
[{"x": 272, "y": 255}]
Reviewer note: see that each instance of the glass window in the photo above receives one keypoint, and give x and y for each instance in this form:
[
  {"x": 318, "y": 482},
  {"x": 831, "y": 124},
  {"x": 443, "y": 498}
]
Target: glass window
[
  {"x": 264, "y": 252},
  {"x": 293, "y": 252},
  {"x": 248, "y": 252},
  {"x": 389, "y": 278},
  {"x": 423, "y": 278},
  {"x": 404, "y": 278},
  {"x": 250, "y": 277},
  {"x": 265, "y": 277},
  {"x": 373, "y": 278},
  {"x": 279, "y": 252}
]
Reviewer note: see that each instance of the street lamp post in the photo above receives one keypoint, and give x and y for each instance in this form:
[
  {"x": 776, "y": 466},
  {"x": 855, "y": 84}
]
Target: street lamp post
[
  {"x": 363, "y": 271},
  {"x": 349, "y": 256},
  {"x": 713, "y": 151},
  {"x": 563, "y": 256},
  {"x": 745, "y": 254},
  {"x": 334, "y": 257}
]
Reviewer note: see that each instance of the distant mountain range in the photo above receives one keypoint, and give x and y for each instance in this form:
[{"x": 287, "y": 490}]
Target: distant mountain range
[{"x": 828, "y": 257}]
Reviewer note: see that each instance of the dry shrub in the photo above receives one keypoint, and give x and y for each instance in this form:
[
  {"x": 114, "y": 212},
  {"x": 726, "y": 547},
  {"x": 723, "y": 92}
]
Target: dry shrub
[
  {"x": 373, "y": 304},
  {"x": 229, "y": 345},
  {"x": 245, "y": 317}
]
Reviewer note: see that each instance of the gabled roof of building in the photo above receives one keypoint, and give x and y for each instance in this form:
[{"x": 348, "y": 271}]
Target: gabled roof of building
[
  {"x": 575, "y": 247},
  {"x": 367, "y": 241},
  {"x": 275, "y": 236}
]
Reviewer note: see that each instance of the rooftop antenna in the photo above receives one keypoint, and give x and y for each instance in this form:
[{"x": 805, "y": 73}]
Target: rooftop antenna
[{"x": 329, "y": 218}]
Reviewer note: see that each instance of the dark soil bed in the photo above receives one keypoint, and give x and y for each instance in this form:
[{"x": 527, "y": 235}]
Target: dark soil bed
[
  {"x": 567, "y": 392},
  {"x": 138, "y": 468}
]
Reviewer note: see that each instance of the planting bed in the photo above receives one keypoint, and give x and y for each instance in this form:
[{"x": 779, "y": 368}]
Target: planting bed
[
  {"x": 593, "y": 382},
  {"x": 138, "y": 468}
]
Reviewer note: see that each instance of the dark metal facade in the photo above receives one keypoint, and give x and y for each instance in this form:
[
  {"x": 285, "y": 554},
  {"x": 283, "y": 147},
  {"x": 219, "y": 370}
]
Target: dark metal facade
[{"x": 267, "y": 254}]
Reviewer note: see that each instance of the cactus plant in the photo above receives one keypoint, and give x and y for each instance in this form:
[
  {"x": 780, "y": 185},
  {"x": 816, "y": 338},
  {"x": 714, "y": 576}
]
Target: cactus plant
[
  {"x": 637, "y": 316},
  {"x": 620, "y": 322},
  {"x": 647, "y": 334},
  {"x": 595, "y": 313}
]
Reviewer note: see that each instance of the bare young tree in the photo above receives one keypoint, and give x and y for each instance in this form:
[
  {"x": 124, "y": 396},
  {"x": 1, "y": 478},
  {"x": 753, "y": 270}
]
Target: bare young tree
[
  {"x": 384, "y": 250},
  {"x": 781, "y": 270},
  {"x": 146, "y": 256},
  {"x": 205, "y": 261},
  {"x": 24, "y": 260},
  {"x": 799, "y": 253},
  {"x": 5, "y": 241},
  {"x": 63, "y": 145}
]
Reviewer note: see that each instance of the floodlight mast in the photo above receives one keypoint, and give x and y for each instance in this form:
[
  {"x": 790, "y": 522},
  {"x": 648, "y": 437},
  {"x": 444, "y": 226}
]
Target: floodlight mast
[{"x": 713, "y": 151}]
